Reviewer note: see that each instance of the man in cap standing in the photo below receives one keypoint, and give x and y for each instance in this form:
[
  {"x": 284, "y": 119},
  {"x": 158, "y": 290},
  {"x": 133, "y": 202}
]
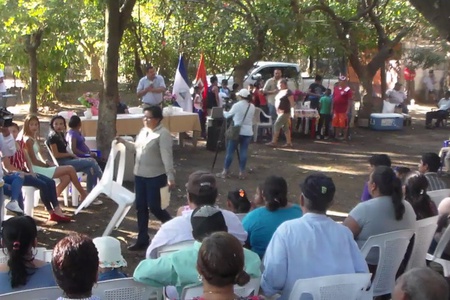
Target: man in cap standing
[{"x": 311, "y": 246}]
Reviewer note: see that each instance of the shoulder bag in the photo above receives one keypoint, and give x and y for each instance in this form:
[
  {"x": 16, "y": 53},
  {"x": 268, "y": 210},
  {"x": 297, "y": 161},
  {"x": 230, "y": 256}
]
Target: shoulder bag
[{"x": 233, "y": 131}]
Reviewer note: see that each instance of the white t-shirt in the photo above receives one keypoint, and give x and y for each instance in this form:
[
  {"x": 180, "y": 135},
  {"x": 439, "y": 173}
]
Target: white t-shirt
[
  {"x": 2, "y": 84},
  {"x": 396, "y": 97}
]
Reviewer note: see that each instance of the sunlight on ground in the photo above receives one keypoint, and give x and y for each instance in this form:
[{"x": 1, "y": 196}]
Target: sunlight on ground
[{"x": 335, "y": 169}]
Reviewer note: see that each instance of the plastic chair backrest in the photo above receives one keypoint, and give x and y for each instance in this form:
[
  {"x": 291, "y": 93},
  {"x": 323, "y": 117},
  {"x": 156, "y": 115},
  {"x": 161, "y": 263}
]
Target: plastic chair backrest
[
  {"x": 334, "y": 287},
  {"x": 442, "y": 244},
  {"x": 135, "y": 110},
  {"x": 51, "y": 154},
  {"x": 47, "y": 293},
  {"x": 40, "y": 254},
  {"x": 392, "y": 248},
  {"x": 66, "y": 114},
  {"x": 108, "y": 174},
  {"x": 164, "y": 250},
  {"x": 388, "y": 107},
  {"x": 125, "y": 289},
  {"x": 251, "y": 288},
  {"x": 423, "y": 236},
  {"x": 256, "y": 116},
  {"x": 438, "y": 195}
]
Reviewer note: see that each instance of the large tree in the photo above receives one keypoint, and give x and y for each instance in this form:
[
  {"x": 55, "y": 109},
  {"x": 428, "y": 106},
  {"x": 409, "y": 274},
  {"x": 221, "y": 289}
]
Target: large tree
[
  {"x": 117, "y": 15},
  {"x": 437, "y": 12}
]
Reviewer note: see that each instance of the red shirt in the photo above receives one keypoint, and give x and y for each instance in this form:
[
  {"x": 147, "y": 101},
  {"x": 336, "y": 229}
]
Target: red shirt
[
  {"x": 341, "y": 98},
  {"x": 260, "y": 99},
  {"x": 18, "y": 160}
]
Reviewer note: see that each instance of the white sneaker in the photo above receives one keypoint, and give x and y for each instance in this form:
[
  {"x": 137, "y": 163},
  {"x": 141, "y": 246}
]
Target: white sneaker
[
  {"x": 97, "y": 202},
  {"x": 14, "y": 207}
]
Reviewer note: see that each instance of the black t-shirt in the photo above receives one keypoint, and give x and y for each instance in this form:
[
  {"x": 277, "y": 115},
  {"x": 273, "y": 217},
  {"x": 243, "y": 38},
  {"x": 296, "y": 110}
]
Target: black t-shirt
[
  {"x": 315, "y": 88},
  {"x": 285, "y": 104},
  {"x": 121, "y": 108},
  {"x": 211, "y": 98},
  {"x": 58, "y": 140}
]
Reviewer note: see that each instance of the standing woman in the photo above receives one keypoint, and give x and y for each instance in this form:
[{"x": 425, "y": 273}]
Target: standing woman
[
  {"x": 153, "y": 170},
  {"x": 284, "y": 100},
  {"x": 242, "y": 113},
  {"x": 65, "y": 174}
]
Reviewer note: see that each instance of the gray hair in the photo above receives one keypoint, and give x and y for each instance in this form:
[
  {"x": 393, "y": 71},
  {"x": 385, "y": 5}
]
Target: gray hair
[{"x": 424, "y": 284}]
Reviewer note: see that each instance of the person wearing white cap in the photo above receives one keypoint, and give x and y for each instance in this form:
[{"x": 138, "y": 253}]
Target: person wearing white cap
[
  {"x": 110, "y": 258},
  {"x": 242, "y": 113}
]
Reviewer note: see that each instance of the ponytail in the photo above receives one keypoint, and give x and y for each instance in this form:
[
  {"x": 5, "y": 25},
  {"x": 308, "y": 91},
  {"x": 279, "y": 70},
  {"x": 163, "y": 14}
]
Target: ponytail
[
  {"x": 389, "y": 185},
  {"x": 19, "y": 234},
  {"x": 416, "y": 193}
]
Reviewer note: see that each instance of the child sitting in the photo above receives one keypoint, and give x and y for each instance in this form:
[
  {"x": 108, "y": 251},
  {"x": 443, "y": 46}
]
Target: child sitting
[
  {"x": 238, "y": 203},
  {"x": 110, "y": 258}
]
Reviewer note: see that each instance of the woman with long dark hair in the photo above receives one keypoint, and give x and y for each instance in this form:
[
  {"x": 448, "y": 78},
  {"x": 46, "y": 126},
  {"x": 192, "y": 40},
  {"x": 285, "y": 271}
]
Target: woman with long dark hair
[
  {"x": 22, "y": 271},
  {"x": 416, "y": 194},
  {"x": 262, "y": 222},
  {"x": 385, "y": 212}
]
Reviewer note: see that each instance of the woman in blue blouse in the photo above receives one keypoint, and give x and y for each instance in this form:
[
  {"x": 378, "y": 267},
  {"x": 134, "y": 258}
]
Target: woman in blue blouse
[
  {"x": 22, "y": 271},
  {"x": 262, "y": 222}
]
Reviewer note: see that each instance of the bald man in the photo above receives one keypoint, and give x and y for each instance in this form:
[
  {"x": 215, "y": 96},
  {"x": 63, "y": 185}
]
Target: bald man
[{"x": 421, "y": 284}]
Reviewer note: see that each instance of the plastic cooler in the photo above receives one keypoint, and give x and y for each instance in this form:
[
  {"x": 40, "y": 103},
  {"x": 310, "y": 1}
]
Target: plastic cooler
[{"x": 386, "y": 122}]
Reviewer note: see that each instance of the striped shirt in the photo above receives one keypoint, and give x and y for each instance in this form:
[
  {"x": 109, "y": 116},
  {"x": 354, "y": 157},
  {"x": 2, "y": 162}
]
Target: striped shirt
[
  {"x": 18, "y": 159},
  {"x": 434, "y": 182}
]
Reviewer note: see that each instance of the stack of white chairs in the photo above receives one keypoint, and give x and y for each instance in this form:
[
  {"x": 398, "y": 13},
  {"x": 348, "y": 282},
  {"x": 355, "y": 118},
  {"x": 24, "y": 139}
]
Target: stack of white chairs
[
  {"x": 112, "y": 188},
  {"x": 440, "y": 248},
  {"x": 41, "y": 254},
  {"x": 334, "y": 287},
  {"x": 135, "y": 110}
]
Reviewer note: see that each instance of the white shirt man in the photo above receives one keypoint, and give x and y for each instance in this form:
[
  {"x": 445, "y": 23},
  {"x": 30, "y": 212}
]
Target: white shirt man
[
  {"x": 151, "y": 88},
  {"x": 396, "y": 95},
  {"x": 200, "y": 185},
  {"x": 311, "y": 246}
]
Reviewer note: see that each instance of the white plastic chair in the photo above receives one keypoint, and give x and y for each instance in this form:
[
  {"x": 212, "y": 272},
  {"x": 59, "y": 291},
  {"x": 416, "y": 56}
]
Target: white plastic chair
[
  {"x": 440, "y": 248},
  {"x": 135, "y": 110},
  {"x": 112, "y": 188},
  {"x": 75, "y": 192},
  {"x": 438, "y": 195},
  {"x": 258, "y": 124},
  {"x": 47, "y": 293},
  {"x": 251, "y": 288},
  {"x": 423, "y": 236},
  {"x": 334, "y": 287},
  {"x": 31, "y": 199},
  {"x": 125, "y": 289},
  {"x": 392, "y": 248},
  {"x": 164, "y": 250}
]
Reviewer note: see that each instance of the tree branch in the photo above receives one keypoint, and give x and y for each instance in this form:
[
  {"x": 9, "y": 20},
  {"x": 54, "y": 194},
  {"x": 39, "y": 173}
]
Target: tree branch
[
  {"x": 125, "y": 13},
  {"x": 366, "y": 9}
]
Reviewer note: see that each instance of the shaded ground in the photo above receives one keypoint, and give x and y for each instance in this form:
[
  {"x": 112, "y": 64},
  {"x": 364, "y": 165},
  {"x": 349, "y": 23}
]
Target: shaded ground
[{"x": 345, "y": 162}]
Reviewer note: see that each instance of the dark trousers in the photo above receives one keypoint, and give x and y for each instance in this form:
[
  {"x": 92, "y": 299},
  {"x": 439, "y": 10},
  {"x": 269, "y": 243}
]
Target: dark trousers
[
  {"x": 325, "y": 120},
  {"x": 148, "y": 196},
  {"x": 439, "y": 115}
]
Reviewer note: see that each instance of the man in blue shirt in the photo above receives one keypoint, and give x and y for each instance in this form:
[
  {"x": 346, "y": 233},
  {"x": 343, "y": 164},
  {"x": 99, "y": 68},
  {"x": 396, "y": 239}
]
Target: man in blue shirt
[
  {"x": 311, "y": 246},
  {"x": 440, "y": 114}
]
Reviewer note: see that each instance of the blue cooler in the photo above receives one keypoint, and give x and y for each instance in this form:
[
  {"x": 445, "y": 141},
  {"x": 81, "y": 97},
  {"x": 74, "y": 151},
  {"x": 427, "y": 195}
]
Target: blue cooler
[{"x": 386, "y": 122}]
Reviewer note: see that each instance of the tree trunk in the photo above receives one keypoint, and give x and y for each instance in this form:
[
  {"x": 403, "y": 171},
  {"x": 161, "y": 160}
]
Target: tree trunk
[
  {"x": 437, "y": 13},
  {"x": 116, "y": 17},
  {"x": 95, "y": 72},
  {"x": 32, "y": 57}
]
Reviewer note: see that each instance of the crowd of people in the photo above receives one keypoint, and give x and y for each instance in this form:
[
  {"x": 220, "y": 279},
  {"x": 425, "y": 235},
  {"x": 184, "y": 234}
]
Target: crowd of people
[{"x": 256, "y": 237}]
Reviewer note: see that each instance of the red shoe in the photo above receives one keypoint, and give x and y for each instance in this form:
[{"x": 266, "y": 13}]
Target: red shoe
[{"x": 60, "y": 219}]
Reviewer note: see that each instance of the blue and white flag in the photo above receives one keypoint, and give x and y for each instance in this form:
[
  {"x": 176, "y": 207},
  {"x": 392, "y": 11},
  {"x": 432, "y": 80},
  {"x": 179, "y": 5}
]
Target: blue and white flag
[{"x": 181, "y": 87}]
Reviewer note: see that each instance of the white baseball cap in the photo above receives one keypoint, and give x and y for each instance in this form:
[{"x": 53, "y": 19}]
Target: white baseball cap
[
  {"x": 244, "y": 93},
  {"x": 109, "y": 252}
]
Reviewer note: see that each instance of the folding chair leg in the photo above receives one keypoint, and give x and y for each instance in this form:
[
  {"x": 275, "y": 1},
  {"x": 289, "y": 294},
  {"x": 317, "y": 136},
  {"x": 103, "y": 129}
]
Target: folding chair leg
[
  {"x": 124, "y": 214},
  {"x": 66, "y": 196},
  {"x": 96, "y": 191}
]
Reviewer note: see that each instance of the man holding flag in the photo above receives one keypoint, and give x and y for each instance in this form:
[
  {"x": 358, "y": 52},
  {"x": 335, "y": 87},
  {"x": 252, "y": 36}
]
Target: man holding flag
[{"x": 181, "y": 87}]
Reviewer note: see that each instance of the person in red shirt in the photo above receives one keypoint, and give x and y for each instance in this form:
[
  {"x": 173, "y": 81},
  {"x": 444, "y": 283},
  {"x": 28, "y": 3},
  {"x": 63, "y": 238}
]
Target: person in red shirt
[
  {"x": 259, "y": 99},
  {"x": 342, "y": 96}
]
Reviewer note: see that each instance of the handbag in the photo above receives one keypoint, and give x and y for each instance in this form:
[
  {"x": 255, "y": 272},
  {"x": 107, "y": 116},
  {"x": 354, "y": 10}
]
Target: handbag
[{"x": 233, "y": 131}]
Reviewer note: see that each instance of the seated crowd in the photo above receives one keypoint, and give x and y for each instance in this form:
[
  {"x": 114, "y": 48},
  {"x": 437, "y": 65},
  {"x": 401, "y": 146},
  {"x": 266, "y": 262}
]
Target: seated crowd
[{"x": 276, "y": 241}]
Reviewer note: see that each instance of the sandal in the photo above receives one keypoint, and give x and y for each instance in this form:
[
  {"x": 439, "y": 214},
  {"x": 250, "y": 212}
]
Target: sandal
[
  {"x": 287, "y": 146},
  {"x": 222, "y": 175},
  {"x": 271, "y": 144},
  {"x": 242, "y": 176}
]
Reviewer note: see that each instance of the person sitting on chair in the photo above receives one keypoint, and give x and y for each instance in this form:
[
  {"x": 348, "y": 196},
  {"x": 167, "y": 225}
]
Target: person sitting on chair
[
  {"x": 440, "y": 114},
  {"x": 397, "y": 96}
]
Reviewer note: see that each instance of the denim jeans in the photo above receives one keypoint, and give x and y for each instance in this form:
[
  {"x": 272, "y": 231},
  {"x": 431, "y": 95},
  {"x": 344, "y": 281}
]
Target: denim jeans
[
  {"x": 148, "y": 195},
  {"x": 46, "y": 187},
  {"x": 243, "y": 143},
  {"x": 13, "y": 187},
  {"x": 86, "y": 165}
]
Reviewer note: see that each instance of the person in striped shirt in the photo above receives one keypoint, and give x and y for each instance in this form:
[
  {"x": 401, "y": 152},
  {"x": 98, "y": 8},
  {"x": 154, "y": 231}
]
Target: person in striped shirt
[{"x": 429, "y": 166}]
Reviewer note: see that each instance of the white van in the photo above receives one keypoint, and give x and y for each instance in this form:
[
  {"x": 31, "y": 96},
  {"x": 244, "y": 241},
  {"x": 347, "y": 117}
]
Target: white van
[{"x": 265, "y": 69}]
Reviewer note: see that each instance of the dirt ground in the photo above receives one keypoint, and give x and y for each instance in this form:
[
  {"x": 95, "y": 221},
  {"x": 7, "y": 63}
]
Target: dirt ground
[{"x": 345, "y": 162}]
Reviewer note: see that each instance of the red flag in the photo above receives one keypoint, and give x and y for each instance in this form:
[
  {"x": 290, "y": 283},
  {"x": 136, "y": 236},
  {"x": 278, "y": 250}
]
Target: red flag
[{"x": 200, "y": 78}]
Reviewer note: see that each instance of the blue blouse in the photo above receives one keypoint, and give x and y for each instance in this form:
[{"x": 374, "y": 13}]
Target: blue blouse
[
  {"x": 39, "y": 278},
  {"x": 111, "y": 274},
  {"x": 261, "y": 223}
]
